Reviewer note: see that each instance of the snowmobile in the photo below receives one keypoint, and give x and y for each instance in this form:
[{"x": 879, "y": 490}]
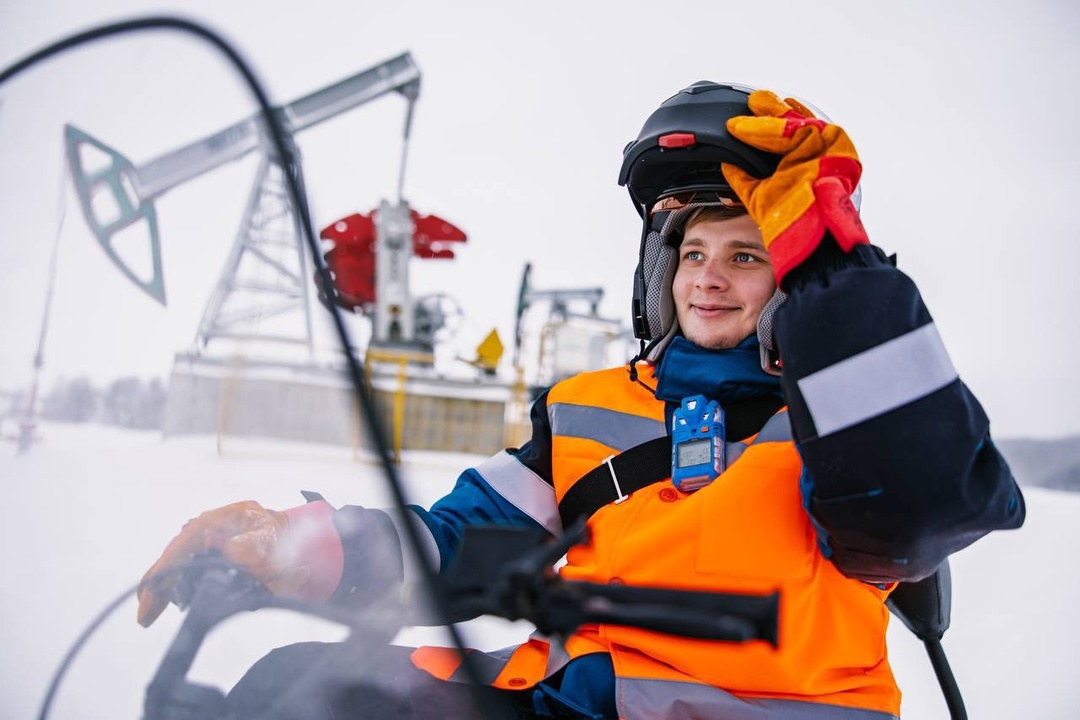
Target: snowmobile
[{"x": 520, "y": 585}]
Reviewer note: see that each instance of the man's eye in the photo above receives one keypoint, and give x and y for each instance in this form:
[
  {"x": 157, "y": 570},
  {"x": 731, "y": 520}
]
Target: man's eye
[
  {"x": 694, "y": 255},
  {"x": 745, "y": 258}
]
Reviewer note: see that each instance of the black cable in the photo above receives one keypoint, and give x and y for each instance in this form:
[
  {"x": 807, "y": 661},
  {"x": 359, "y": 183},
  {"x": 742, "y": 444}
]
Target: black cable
[
  {"x": 945, "y": 679},
  {"x": 283, "y": 148},
  {"x": 90, "y": 629}
]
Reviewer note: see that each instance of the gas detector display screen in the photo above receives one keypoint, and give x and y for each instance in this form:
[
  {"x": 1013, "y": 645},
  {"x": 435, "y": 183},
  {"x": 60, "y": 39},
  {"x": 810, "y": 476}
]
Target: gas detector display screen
[{"x": 694, "y": 452}]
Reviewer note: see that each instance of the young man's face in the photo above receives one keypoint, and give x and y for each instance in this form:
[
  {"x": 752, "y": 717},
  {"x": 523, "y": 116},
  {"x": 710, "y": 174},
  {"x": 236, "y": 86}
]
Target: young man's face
[{"x": 723, "y": 281}]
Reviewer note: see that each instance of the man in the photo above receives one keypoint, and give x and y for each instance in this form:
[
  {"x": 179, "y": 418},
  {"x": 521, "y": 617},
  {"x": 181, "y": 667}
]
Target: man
[{"x": 846, "y": 453}]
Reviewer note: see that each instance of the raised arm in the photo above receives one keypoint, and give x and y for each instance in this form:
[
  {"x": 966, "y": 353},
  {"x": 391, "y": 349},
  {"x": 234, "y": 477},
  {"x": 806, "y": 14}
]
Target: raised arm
[{"x": 899, "y": 467}]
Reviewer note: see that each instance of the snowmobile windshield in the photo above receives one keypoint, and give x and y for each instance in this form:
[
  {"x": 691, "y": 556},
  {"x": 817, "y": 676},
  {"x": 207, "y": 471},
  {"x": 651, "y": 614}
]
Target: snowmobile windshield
[{"x": 170, "y": 345}]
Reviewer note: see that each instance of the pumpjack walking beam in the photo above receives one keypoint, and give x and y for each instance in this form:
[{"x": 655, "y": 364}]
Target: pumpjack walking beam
[{"x": 266, "y": 274}]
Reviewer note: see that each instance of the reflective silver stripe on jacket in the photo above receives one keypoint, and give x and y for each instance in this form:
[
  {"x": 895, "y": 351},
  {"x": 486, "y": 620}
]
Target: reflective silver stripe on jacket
[
  {"x": 776, "y": 429},
  {"x": 523, "y": 489},
  {"x": 557, "y": 654},
  {"x": 650, "y": 699},
  {"x": 490, "y": 664},
  {"x": 615, "y": 429},
  {"x": 877, "y": 380}
]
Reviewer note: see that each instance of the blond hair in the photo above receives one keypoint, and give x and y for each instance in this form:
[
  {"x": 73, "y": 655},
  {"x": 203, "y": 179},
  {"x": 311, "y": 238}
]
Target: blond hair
[{"x": 709, "y": 213}]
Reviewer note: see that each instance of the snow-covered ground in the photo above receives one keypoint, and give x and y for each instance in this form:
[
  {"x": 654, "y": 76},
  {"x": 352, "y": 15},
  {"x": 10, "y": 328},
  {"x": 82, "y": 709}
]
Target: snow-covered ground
[{"x": 90, "y": 507}]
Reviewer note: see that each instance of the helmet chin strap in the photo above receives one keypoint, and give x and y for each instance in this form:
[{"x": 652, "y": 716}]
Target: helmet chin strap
[
  {"x": 770, "y": 354},
  {"x": 656, "y": 348}
]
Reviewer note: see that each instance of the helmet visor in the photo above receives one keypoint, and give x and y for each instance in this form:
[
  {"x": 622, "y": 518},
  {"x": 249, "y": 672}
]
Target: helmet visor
[{"x": 680, "y": 198}]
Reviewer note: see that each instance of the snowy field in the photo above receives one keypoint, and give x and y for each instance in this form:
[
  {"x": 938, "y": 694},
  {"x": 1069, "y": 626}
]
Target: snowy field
[{"x": 90, "y": 507}]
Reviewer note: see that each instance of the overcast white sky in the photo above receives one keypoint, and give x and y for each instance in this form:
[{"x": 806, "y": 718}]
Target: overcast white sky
[{"x": 963, "y": 112}]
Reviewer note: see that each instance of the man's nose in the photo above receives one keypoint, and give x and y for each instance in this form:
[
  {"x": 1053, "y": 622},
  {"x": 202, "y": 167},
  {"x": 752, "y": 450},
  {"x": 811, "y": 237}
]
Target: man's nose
[{"x": 713, "y": 275}]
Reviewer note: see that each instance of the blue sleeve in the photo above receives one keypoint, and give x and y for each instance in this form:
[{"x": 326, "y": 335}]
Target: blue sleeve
[
  {"x": 370, "y": 543},
  {"x": 899, "y": 469},
  {"x": 474, "y": 502},
  {"x": 471, "y": 502}
]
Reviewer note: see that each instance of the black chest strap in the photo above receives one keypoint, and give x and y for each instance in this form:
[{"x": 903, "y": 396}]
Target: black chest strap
[
  {"x": 616, "y": 478},
  {"x": 650, "y": 462}
]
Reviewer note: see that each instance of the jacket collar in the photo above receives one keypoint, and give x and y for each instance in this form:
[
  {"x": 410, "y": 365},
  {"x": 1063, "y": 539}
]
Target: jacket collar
[{"x": 686, "y": 369}]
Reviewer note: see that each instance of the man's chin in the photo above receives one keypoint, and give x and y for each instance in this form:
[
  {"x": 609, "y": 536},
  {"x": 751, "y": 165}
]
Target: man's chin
[{"x": 714, "y": 342}]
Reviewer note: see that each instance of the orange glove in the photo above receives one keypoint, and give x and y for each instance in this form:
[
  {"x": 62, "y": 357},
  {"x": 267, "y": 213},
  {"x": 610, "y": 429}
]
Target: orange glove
[
  {"x": 297, "y": 553},
  {"x": 810, "y": 192}
]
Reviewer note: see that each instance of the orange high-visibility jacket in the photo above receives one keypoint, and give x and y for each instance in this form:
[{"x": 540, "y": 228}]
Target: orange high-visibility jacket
[{"x": 745, "y": 532}]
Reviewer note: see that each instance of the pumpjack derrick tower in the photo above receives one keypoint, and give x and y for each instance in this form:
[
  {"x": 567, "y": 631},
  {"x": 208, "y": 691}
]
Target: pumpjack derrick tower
[{"x": 264, "y": 289}]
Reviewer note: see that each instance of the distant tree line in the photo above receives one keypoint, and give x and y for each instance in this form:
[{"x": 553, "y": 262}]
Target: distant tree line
[
  {"x": 1050, "y": 463},
  {"x": 128, "y": 402}
]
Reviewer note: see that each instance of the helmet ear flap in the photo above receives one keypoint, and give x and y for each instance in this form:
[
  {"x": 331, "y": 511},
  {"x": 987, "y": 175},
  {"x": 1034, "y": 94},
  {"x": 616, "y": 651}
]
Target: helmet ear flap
[{"x": 654, "y": 308}]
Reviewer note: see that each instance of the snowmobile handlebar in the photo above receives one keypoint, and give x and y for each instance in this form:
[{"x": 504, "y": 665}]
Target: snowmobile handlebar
[
  {"x": 213, "y": 590},
  {"x": 518, "y": 583}
]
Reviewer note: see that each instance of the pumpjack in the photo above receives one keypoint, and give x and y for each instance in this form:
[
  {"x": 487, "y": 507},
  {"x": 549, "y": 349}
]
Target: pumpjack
[{"x": 266, "y": 274}]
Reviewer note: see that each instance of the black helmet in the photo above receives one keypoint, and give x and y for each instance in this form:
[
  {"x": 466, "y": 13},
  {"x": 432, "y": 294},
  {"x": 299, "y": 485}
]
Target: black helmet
[
  {"x": 684, "y": 141},
  {"x": 677, "y": 155}
]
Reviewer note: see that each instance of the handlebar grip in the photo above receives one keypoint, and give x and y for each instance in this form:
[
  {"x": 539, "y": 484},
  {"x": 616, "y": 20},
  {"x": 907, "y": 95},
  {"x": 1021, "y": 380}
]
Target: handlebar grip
[
  {"x": 709, "y": 616},
  {"x": 694, "y": 624}
]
